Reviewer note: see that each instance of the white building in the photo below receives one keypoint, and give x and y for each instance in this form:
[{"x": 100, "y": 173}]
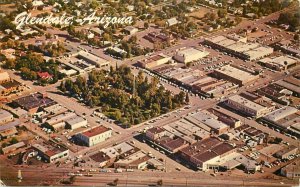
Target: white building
[
  {"x": 246, "y": 106},
  {"x": 189, "y": 55},
  {"x": 76, "y": 122},
  {"x": 130, "y": 30},
  {"x": 94, "y": 136}
]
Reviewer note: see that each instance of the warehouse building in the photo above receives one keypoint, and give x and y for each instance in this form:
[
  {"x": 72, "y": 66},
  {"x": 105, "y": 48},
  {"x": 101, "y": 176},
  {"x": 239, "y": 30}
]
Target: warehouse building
[
  {"x": 190, "y": 54},
  {"x": 246, "y": 106},
  {"x": 239, "y": 48},
  {"x": 292, "y": 170},
  {"x": 205, "y": 154},
  {"x": 280, "y": 63},
  {"x": 75, "y": 122},
  {"x": 285, "y": 118},
  {"x": 235, "y": 75},
  {"x": 137, "y": 160},
  {"x": 154, "y": 61},
  {"x": 5, "y": 117},
  {"x": 51, "y": 152},
  {"x": 95, "y": 135},
  {"x": 33, "y": 102}
]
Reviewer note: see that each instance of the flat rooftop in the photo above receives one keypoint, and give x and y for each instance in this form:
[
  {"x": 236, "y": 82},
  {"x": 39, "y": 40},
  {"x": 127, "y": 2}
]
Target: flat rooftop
[
  {"x": 95, "y": 131},
  {"x": 243, "y": 101},
  {"x": 236, "y": 73},
  {"x": 281, "y": 113},
  {"x": 34, "y": 101}
]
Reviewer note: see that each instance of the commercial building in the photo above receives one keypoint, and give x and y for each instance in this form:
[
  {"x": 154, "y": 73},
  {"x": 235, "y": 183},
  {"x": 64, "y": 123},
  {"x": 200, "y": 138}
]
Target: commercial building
[
  {"x": 75, "y": 122},
  {"x": 285, "y": 118},
  {"x": 58, "y": 122},
  {"x": 108, "y": 156},
  {"x": 7, "y": 133},
  {"x": 154, "y": 61},
  {"x": 234, "y": 160},
  {"x": 235, "y": 75},
  {"x": 5, "y": 117},
  {"x": 291, "y": 83},
  {"x": 228, "y": 120},
  {"x": 205, "y": 154},
  {"x": 155, "y": 133},
  {"x": 239, "y": 47},
  {"x": 246, "y": 106},
  {"x": 280, "y": 63},
  {"x": 137, "y": 160},
  {"x": 95, "y": 135},
  {"x": 286, "y": 152},
  {"x": 13, "y": 147},
  {"x": 33, "y": 102},
  {"x": 51, "y": 152},
  {"x": 292, "y": 170},
  {"x": 92, "y": 59},
  {"x": 190, "y": 54},
  {"x": 207, "y": 121}
]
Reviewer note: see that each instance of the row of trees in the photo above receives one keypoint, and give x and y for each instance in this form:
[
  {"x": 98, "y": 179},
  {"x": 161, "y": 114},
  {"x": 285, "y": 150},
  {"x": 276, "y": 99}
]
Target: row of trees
[
  {"x": 31, "y": 63},
  {"x": 124, "y": 97}
]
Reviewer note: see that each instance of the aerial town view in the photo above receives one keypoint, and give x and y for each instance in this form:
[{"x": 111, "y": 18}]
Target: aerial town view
[{"x": 149, "y": 93}]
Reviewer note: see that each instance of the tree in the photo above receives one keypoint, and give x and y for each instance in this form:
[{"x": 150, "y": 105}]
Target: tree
[
  {"x": 14, "y": 140},
  {"x": 296, "y": 37},
  {"x": 187, "y": 98},
  {"x": 146, "y": 25},
  {"x": 222, "y": 13}
]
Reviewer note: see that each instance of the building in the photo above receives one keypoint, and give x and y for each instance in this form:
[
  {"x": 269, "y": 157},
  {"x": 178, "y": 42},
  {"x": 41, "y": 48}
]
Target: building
[
  {"x": 286, "y": 152},
  {"x": 92, "y": 59},
  {"x": 205, "y": 154},
  {"x": 246, "y": 106},
  {"x": 189, "y": 55},
  {"x": 75, "y": 122},
  {"x": 130, "y": 30},
  {"x": 9, "y": 87},
  {"x": 235, "y": 75},
  {"x": 44, "y": 75},
  {"x": 292, "y": 170},
  {"x": 155, "y": 133},
  {"x": 51, "y": 152},
  {"x": 108, "y": 155},
  {"x": 286, "y": 118},
  {"x": 137, "y": 160},
  {"x": 207, "y": 121},
  {"x": 5, "y": 117},
  {"x": 172, "y": 21},
  {"x": 33, "y": 102},
  {"x": 291, "y": 83},
  {"x": 13, "y": 147},
  {"x": 4, "y": 77},
  {"x": 238, "y": 47},
  {"x": 95, "y": 135},
  {"x": 7, "y": 133},
  {"x": 154, "y": 61},
  {"x": 280, "y": 63},
  {"x": 228, "y": 120},
  {"x": 58, "y": 122}
]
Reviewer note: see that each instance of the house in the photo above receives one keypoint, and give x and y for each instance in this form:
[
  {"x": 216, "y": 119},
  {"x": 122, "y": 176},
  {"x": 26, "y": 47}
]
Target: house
[
  {"x": 45, "y": 75},
  {"x": 130, "y": 30},
  {"x": 172, "y": 21}
]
